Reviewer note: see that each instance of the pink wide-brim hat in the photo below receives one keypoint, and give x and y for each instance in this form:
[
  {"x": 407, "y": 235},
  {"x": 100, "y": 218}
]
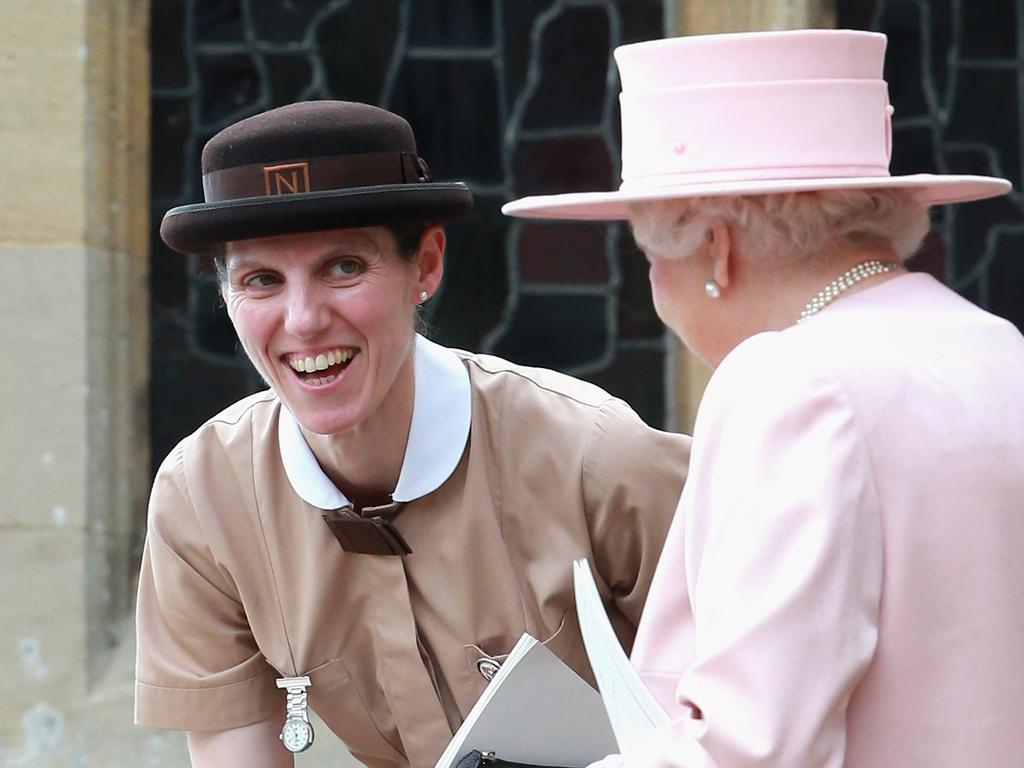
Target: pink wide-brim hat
[{"x": 754, "y": 113}]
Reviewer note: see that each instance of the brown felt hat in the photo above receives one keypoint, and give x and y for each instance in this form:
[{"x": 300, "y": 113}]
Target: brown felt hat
[{"x": 311, "y": 166}]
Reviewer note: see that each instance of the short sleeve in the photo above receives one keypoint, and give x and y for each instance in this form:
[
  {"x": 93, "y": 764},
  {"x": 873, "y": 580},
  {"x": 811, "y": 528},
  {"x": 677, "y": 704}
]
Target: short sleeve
[
  {"x": 778, "y": 555},
  {"x": 198, "y": 666},
  {"x": 632, "y": 478}
]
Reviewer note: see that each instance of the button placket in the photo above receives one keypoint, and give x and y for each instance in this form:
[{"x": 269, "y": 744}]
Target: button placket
[{"x": 406, "y": 681}]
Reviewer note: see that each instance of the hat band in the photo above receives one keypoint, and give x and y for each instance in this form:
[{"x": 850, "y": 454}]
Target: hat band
[
  {"x": 774, "y": 173},
  {"x": 314, "y": 174},
  {"x": 727, "y": 132}
]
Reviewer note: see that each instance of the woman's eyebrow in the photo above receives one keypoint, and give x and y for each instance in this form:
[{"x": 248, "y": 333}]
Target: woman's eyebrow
[{"x": 243, "y": 262}]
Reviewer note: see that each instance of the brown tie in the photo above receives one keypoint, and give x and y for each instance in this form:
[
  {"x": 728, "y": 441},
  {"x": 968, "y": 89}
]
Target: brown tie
[{"x": 369, "y": 531}]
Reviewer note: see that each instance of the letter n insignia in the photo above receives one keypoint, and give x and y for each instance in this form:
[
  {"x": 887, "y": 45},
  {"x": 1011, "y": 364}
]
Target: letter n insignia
[{"x": 286, "y": 179}]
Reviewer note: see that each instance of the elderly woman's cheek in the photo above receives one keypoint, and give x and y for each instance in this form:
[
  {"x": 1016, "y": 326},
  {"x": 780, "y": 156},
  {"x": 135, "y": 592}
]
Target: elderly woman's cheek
[{"x": 666, "y": 290}]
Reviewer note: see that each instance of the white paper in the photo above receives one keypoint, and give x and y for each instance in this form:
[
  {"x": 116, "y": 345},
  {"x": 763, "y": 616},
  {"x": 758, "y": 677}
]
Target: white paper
[
  {"x": 535, "y": 710},
  {"x": 632, "y": 709}
]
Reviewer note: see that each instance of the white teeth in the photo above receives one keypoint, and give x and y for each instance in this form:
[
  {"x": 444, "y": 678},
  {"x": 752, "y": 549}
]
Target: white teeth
[{"x": 322, "y": 361}]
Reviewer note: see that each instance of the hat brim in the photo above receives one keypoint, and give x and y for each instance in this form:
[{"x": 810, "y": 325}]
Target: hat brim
[
  {"x": 930, "y": 188},
  {"x": 196, "y": 228}
]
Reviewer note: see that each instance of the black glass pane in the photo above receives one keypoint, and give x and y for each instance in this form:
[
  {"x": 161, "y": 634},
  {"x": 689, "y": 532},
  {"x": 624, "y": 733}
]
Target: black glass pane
[
  {"x": 563, "y": 253},
  {"x": 519, "y": 19},
  {"x": 913, "y": 150},
  {"x": 453, "y": 109},
  {"x": 186, "y": 389},
  {"x": 973, "y": 225},
  {"x": 990, "y": 30},
  {"x": 1006, "y": 277},
  {"x": 561, "y": 332},
  {"x": 451, "y": 24},
  {"x": 638, "y": 377},
  {"x": 218, "y": 21},
  {"x": 576, "y": 45},
  {"x": 903, "y": 60},
  {"x": 288, "y": 21},
  {"x": 353, "y": 69},
  {"x": 943, "y": 36},
  {"x": 290, "y": 79},
  {"x": 169, "y": 66},
  {"x": 636, "y": 316},
  {"x": 171, "y": 124},
  {"x": 563, "y": 165},
  {"x": 641, "y": 19},
  {"x": 214, "y": 334},
  {"x": 229, "y": 86},
  {"x": 168, "y": 274},
  {"x": 981, "y": 115},
  {"x": 475, "y": 287}
]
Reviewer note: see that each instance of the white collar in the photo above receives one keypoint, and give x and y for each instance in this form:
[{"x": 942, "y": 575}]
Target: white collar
[{"x": 437, "y": 436}]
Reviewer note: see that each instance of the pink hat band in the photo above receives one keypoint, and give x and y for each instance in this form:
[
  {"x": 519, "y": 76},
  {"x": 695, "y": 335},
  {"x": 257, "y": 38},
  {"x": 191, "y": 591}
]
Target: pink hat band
[
  {"x": 753, "y": 113},
  {"x": 768, "y": 130}
]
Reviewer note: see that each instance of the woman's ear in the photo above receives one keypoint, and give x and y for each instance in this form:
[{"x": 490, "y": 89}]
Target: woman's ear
[
  {"x": 429, "y": 261},
  {"x": 721, "y": 252}
]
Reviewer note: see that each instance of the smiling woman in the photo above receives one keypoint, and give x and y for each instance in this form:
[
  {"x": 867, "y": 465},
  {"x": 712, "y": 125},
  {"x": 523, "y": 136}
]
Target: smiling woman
[
  {"x": 390, "y": 513},
  {"x": 349, "y": 293}
]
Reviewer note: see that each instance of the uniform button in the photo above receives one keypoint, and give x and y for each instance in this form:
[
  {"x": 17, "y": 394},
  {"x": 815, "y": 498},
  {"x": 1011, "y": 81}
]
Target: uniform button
[{"x": 488, "y": 667}]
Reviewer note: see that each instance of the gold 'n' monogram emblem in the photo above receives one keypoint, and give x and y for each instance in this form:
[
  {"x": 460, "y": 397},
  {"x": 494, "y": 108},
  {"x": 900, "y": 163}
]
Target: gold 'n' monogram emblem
[{"x": 286, "y": 179}]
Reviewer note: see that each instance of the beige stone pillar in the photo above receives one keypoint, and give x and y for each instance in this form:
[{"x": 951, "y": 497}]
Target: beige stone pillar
[
  {"x": 699, "y": 17},
  {"x": 73, "y": 381}
]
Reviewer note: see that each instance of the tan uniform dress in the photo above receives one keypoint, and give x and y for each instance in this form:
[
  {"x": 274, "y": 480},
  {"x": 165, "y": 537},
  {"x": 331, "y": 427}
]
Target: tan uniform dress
[{"x": 510, "y": 473}]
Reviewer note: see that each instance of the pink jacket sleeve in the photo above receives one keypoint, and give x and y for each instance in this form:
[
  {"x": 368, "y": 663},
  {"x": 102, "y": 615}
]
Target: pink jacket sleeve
[{"x": 763, "y": 613}]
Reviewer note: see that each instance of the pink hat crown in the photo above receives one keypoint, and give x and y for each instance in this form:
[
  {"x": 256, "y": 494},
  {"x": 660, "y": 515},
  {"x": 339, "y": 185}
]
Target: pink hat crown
[
  {"x": 754, "y": 113},
  {"x": 806, "y": 104}
]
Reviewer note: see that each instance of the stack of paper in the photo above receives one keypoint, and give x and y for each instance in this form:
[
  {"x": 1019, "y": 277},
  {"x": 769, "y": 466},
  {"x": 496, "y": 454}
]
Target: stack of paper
[
  {"x": 632, "y": 709},
  {"x": 535, "y": 710}
]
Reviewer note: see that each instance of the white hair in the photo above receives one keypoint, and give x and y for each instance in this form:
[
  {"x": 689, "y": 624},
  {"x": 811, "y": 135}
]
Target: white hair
[{"x": 785, "y": 227}]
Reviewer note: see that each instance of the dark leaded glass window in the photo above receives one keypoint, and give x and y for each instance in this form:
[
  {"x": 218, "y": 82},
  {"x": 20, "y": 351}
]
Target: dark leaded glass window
[
  {"x": 955, "y": 73},
  {"x": 513, "y": 96}
]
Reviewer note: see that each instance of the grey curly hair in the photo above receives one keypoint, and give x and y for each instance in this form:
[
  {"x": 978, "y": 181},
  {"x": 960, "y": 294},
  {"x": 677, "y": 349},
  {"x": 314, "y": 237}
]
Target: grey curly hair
[{"x": 785, "y": 227}]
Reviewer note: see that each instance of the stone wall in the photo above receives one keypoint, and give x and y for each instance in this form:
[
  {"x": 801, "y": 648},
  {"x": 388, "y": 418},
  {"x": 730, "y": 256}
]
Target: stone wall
[{"x": 73, "y": 335}]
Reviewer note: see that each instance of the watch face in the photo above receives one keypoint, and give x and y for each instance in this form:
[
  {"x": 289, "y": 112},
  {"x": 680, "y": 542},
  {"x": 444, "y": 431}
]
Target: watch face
[{"x": 296, "y": 734}]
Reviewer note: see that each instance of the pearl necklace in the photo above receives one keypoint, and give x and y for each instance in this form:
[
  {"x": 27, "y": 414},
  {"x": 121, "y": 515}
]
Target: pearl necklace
[{"x": 845, "y": 282}]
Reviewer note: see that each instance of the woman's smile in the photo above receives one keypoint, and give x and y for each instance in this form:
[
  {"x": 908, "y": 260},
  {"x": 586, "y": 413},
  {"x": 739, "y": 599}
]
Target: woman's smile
[{"x": 316, "y": 370}]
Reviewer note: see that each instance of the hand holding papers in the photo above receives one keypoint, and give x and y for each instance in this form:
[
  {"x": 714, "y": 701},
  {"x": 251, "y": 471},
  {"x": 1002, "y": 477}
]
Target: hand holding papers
[
  {"x": 633, "y": 711},
  {"x": 535, "y": 710}
]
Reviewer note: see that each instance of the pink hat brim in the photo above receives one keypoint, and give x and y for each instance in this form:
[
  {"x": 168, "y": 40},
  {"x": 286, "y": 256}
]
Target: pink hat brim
[{"x": 930, "y": 188}]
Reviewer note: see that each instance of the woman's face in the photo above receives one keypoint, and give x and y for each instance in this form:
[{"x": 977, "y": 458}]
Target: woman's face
[{"x": 326, "y": 318}]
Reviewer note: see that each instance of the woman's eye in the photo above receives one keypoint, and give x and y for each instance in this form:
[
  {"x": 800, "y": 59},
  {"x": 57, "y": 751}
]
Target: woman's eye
[
  {"x": 344, "y": 268},
  {"x": 259, "y": 280}
]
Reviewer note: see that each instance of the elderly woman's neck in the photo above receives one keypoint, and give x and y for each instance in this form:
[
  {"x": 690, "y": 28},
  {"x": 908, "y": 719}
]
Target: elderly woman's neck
[
  {"x": 365, "y": 461},
  {"x": 771, "y": 297}
]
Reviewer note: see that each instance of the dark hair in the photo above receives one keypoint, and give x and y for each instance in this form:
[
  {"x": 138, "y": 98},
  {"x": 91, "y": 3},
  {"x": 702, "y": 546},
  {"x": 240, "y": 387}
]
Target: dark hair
[{"x": 406, "y": 234}]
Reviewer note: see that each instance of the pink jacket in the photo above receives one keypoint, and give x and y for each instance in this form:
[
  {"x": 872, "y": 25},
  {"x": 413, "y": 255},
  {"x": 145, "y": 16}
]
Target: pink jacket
[{"x": 843, "y": 584}]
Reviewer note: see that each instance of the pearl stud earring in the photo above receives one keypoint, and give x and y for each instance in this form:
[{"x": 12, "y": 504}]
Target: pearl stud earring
[
  {"x": 424, "y": 296},
  {"x": 712, "y": 289}
]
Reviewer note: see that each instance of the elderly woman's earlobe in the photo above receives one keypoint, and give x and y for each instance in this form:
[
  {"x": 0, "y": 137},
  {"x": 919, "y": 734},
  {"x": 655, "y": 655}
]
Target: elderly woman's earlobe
[{"x": 719, "y": 250}]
